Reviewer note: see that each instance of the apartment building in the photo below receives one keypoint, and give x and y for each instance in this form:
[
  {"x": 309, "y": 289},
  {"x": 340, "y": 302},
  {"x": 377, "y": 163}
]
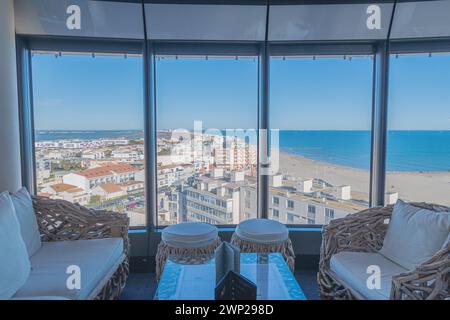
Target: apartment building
[
  {"x": 66, "y": 192},
  {"x": 172, "y": 173},
  {"x": 111, "y": 173},
  {"x": 108, "y": 191}
]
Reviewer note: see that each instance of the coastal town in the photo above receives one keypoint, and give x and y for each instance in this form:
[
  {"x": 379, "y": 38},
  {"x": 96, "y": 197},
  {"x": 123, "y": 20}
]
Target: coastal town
[{"x": 210, "y": 178}]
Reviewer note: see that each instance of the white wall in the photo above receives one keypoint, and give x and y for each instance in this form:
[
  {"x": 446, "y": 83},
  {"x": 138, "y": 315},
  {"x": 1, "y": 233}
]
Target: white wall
[{"x": 10, "y": 178}]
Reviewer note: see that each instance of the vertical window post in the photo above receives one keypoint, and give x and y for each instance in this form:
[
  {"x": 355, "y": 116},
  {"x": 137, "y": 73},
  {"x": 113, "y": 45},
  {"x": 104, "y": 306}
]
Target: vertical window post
[
  {"x": 26, "y": 115},
  {"x": 263, "y": 124},
  {"x": 379, "y": 124},
  {"x": 263, "y": 133},
  {"x": 150, "y": 134}
]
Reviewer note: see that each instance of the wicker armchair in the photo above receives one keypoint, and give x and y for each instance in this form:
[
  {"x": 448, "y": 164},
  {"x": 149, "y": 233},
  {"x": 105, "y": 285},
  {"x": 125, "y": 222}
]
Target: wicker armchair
[
  {"x": 364, "y": 232},
  {"x": 60, "y": 220}
]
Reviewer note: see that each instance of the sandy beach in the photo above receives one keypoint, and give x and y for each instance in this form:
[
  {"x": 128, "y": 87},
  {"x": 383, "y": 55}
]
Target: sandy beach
[{"x": 431, "y": 187}]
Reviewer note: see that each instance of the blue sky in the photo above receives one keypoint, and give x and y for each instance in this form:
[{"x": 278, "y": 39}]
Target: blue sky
[
  {"x": 419, "y": 96},
  {"x": 85, "y": 93}
]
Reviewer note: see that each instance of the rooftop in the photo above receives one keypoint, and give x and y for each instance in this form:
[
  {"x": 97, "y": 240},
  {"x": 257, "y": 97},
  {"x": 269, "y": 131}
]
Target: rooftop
[
  {"x": 106, "y": 170},
  {"x": 110, "y": 187},
  {"x": 61, "y": 187}
]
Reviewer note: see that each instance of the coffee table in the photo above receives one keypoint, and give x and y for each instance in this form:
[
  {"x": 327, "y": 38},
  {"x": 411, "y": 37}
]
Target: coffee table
[{"x": 193, "y": 278}]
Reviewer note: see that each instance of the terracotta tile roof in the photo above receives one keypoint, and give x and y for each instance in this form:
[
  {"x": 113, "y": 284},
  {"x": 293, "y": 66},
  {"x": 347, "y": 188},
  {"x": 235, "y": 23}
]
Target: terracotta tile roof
[
  {"x": 106, "y": 170},
  {"x": 76, "y": 190},
  {"x": 44, "y": 194},
  {"x": 131, "y": 183},
  {"x": 110, "y": 187},
  {"x": 61, "y": 187}
]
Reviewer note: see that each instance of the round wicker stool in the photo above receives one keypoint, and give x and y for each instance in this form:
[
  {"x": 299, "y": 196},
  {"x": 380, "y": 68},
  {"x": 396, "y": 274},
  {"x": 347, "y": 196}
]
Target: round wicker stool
[
  {"x": 189, "y": 238},
  {"x": 263, "y": 236}
]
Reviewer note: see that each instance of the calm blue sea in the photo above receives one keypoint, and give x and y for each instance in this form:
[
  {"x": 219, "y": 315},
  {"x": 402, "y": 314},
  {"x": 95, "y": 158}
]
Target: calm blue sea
[
  {"x": 42, "y": 135},
  {"x": 407, "y": 150}
]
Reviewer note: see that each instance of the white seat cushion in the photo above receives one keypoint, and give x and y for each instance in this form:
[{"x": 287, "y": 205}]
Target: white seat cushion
[
  {"x": 14, "y": 261},
  {"x": 48, "y": 276},
  {"x": 263, "y": 231},
  {"x": 27, "y": 220},
  {"x": 414, "y": 235},
  {"x": 351, "y": 268},
  {"x": 190, "y": 235}
]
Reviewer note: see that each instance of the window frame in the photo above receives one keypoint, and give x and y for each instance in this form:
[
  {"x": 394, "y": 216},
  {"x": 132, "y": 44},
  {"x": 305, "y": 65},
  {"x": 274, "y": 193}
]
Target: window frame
[
  {"x": 370, "y": 48},
  {"x": 208, "y": 48},
  {"x": 149, "y": 49},
  {"x": 25, "y": 45},
  {"x": 380, "y": 49},
  {"x": 410, "y": 46},
  {"x": 144, "y": 239}
]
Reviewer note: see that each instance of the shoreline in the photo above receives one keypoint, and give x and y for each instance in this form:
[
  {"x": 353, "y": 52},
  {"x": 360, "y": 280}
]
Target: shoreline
[
  {"x": 355, "y": 168},
  {"x": 433, "y": 187}
]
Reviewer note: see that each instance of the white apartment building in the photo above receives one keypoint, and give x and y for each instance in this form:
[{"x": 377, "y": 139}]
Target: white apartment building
[
  {"x": 172, "y": 173},
  {"x": 112, "y": 173},
  {"x": 93, "y": 154},
  {"x": 214, "y": 201},
  {"x": 297, "y": 202},
  {"x": 60, "y": 154},
  {"x": 108, "y": 191},
  {"x": 132, "y": 186},
  {"x": 235, "y": 154},
  {"x": 43, "y": 170},
  {"x": 217, "y": 199},
  {"x": 47, "y": 144},
  {"x": 67, "y": 192},
  {"x": 127, "y": 154},
  {"x": 115, "y": 142},
  {"x": 172, "y": 206}
]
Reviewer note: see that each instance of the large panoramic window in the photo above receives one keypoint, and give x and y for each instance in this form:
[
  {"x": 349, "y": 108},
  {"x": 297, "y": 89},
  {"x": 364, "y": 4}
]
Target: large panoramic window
[
  {"x": 418, "y": 141},
  {"x": 89, "y": 142},
  {"x": 206, "y": 109},
  {"x": 322, "y": 107}
]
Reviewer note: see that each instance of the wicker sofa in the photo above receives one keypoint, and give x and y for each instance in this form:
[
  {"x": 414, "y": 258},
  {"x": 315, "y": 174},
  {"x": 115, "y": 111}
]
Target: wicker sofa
[
  {"x": 364, "y": 232},
  {"x": 60, "y": 221}
]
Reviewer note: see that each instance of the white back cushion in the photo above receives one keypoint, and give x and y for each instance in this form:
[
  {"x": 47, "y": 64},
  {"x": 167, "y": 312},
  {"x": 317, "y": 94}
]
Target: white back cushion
[
  {"x": 14, "y": 261},
  {"x": 27, "y": 220},
  {"x": 414, "y": 234}
]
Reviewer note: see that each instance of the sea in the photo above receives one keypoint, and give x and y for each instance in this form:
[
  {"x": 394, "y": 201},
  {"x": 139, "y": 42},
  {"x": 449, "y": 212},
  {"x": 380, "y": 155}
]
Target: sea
[{"x": 407, "y": 151}]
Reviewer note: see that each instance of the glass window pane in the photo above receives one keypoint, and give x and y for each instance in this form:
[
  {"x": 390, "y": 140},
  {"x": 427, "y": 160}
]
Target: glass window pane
[
  {"x": 79, "y": 18},
  {"x": 418, "y": 142},
  {"x": 206, "y": 22},
  {"x": 420, "y": 19},
  {"x": 206, "y": 138},
  {"x": 329, "y": 21},
  {"x": 322, "y": 108},
  {"x": 89, "y": 142}
]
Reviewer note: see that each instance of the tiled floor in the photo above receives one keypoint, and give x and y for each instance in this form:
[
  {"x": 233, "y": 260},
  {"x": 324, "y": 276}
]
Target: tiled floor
[{"x": 142, "y": 286}]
